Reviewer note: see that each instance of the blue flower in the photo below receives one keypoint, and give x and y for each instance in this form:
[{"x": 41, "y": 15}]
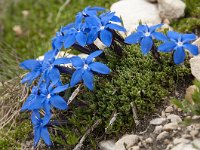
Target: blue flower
[
  {"x": 179, "y": 42},
  {"x": 144, "y": 35},
  {"x": 49, "y": 97},
  {"x": 85, "y": 68},
  {"x": 101, "y": 27},
  {"x": 46, "y": 67},
  {"x": 33, "y": 101},
  {"x": 40, "y": 128}
]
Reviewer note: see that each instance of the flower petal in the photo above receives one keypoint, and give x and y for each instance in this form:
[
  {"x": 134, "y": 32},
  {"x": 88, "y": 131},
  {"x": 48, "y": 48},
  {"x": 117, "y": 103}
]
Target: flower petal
[
  {"x": 88, "y": 79},
  {"x": 60, "y": 88},
  {"x": 133, "y": 38},
  {"x": 153, "y": 28},
  {"x": 76, "y": 77},
  {"x": 106, "y": 37},
  {"x": 77, "y": 62},
  {"x": 30, "y": 64},
  {"x": 81, "y": 38},
  {"x": 99, "y": 67},
  {"x": 58, "y": 102},
  {"x": 45, "y": 136},
  {"x": 179, "y": 55},
  {"x": 142, "y": 28},
  {"x": 146, "y": 44},
  {"x": 159, "y": 36},
  {"x": 37, "y": 135},
  {"x": 62, "y": 61},
  {"x": 69, "y": 41},
  {"x": 93, "y": 55},
  {"x": 167, "y": 46},
  {"x": 48, "y": 56},
  {"x": 115, "y": 19},
  {"x": 188, "y": 37},
  {"x": 35, "y": 117},
  {"x": 174, "y": 36},
  {"x": 116, "y": 27},
  {"x": 54, "y": 75},
  {"x": 192, "y": 48}
]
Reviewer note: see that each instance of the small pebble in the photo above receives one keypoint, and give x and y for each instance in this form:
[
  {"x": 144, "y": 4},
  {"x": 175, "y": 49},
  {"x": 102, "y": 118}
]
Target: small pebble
[
  {"x": 194, "y": 133},
  {"x": 170, "y": 126},
  {"x": 162, "y": 135},
  {"x": 169, "y": 109},
  {"x": 158, "y": 129},
  {"x": 134, "y": 148},
  {"x": 149, "y": 140}
]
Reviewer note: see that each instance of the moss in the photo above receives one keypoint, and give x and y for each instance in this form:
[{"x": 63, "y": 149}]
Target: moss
[
  {"x": 134, "y": 78},
  {"x": 11, "y": 138},
  {"x": 191, "y": 21}
]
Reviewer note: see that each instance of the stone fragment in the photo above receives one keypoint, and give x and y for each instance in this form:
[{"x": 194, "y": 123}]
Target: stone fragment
[
  {"x": 158, "y": 129},
  {"x": 18, "y": 30},
  {"x": 162, "y": 135},
  {"x": 128, "y": 140},
  {"x": 183, "y": 146},
  {"x": 107, "y": 145},
  {"x": 195, "y": 66},
  {"x": 174, "y": 118},
  {"x": 134, "y": 11},
  {"x": 195, "y": 117},
  {"x": 134, "y": 148},
  {"x": 169, "y": 109},
  {"x": 170, "y": 126},
  {"x": 171, "y": 9},
  {"x": 194, "y": 133},
  {"x": 149, "y": 140},
  {"x": 25, "y": 13},
  {"x": 152, "y": 1},
  {"x": 158, "y": 121},
  {"x": 163, "y": 115},
  {"x": 196, "y": 143},
  {"x": 180, "y": 140}
]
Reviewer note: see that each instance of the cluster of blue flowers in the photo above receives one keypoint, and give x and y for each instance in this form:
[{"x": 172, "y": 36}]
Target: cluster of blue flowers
[
  {"x": 88, "y": 26},
  {"x": 173, "y": 42}
]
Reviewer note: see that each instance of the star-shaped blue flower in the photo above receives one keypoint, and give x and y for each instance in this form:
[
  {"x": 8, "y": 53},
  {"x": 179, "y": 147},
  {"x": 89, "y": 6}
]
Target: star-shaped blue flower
[
  {"x": 145, "y": 35},
  {"x": 40, "y": 128},
  {"x": 46, "y": 67},
  {"x": 85, "y": 68},
  {"x": 49, "y": 97},
  {"x": 100, "y": 27},
  {"x": 179, "y": 42}
]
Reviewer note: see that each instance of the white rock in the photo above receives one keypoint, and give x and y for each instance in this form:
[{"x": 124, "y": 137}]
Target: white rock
[
  {"x": 163, "y": 115},
  {"x": 195, "y": 117},
  {"x": 174, "y": 118},
  {"x": 158, "y": 129},
  {"x": 195, "y": 66},
  {"x": 196, "y": 143},
  {"x": 152, "y": 1},
  {"x": 107, "y": 145},
  {"x": 162, "y": 135},
  {"x": 134, "y": 11},
  {"x": 134, "y": 148},
  {"x": 169, "y": 109},
  {"x": 128, "y": 140},
  {"x": 180, "y": 140},
  {"x": 183, "y": 146},
  {"x": 170, "y": 126},
  {"x": 158, "y": 121},
  {"x": 171, "y": 9},
  {"x": 149, "y": 140},
  {"x": 194, "y": 133}
]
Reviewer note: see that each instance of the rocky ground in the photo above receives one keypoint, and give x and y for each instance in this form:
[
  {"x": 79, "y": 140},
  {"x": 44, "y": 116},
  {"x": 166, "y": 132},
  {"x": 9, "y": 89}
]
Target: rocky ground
[{"x": 167, "y": 131}]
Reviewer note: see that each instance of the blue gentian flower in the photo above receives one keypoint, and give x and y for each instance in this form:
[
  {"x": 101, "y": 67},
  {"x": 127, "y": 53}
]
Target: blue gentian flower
[
  {"x": 46, "y": 67},
  {"x": 179, "y": 42},
  {"x": 85, "y": 68},
  {"x": 49, "y": 97},
  {"x": 144, "y": 35},
  {"x": 40, "y": 128},
  {"x": 33, "y": 101},
  {"x": 101, "y": 27},
  {"x": 89, "y": 11}
]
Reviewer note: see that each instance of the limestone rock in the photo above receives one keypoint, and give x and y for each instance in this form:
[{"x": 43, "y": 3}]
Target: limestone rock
[
  {"x": 195, "y": 66},
  {"x": 128, "y": 140},
  {"x": 134, "y": 11},
  {"x": 158, "y": 121},
  {"x": 171, "y": 9},
  {"x": 149, "y": 140},
  {"x": 170, "y": 126},
  {"x": 134, "y": 148},
  {"x": 169, "y": 109},
  {"x": 180, "y": 140},
  {"x": 107, "y": 145},
  {"x": 162, "y": 135},
  {"x": 158, "y": 129},
  {"x": 174, "y": 118}
]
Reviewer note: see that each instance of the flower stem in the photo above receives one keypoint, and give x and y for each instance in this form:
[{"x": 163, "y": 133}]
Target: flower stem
[
  {"x": 156, "y": 54},
  {"x": 81, "y": 49},
  {"x": 116, "y": 48}
]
